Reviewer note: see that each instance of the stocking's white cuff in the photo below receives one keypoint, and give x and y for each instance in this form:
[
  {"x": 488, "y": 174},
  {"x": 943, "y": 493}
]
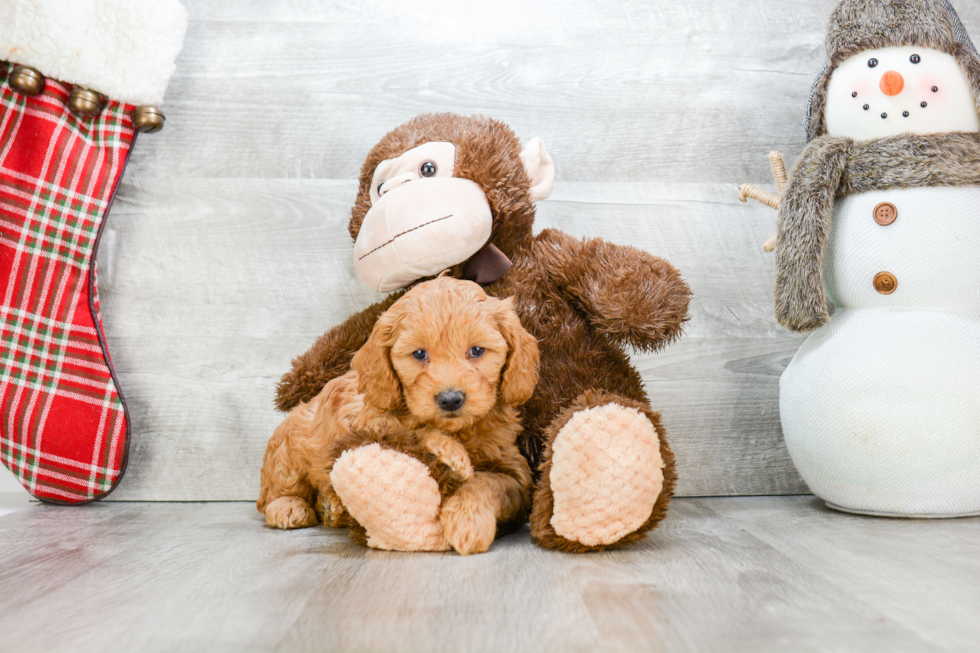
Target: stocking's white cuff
[{"x": 124, "y": 49}]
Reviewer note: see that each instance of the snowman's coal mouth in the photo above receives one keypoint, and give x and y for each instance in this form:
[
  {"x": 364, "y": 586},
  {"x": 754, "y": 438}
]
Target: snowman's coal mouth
[{"x": 905, "y": 114}]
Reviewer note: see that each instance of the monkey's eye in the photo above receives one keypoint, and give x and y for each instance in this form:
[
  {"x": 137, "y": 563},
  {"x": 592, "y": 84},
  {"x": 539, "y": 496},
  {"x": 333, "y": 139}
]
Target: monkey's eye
[
  {"x": 428, "y": 169},
  {"x": 420, "y": 354},
  {"x": 872, "y": 63},
  {"x": 915, "y": 58},
  {"x": 476, "y": 351}
]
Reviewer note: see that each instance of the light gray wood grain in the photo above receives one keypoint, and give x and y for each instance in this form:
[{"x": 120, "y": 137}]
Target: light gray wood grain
[
  {"x": 231, "y": 251},
  {"x": 629, "y": 90},
  {"x": 737, "y": 574}
]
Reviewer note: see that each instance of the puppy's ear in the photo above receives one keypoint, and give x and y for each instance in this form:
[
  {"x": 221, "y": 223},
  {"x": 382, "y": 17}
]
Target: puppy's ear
[
  {"x": 377, "y": 380},
  {"x": 521, "y": 369}
]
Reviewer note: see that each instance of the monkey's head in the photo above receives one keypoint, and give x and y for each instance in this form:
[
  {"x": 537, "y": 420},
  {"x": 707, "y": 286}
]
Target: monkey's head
[{"x": 469, "y": 206}]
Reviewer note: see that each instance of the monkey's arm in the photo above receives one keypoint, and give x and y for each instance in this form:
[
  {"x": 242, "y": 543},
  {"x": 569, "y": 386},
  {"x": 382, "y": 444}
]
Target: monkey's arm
[
  {"x": 329, "y": 357},
  {"x": 630, "y": 296}
]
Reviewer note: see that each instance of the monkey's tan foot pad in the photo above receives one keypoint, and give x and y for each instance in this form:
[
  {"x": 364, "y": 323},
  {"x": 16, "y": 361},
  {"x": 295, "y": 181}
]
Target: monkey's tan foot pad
[
  {"x": 606, "y": 474},
  {"x": 289, "y": 512},
  {"x": 391, "y": 495}
]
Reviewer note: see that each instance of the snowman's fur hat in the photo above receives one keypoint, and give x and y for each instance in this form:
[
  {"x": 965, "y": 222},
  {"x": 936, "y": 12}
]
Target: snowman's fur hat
[{"x": 859, "y": 25}]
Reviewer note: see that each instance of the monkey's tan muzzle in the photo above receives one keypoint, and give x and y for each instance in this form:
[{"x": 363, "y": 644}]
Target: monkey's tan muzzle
[{"x": 419, "y": 229}]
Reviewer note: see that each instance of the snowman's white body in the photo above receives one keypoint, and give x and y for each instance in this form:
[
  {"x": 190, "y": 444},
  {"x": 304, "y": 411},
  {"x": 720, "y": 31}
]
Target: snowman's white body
[{"x": 881, "y": 406}]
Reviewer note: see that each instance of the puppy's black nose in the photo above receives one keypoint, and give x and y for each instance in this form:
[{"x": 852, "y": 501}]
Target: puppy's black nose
[{"x": 450, "y": 400}]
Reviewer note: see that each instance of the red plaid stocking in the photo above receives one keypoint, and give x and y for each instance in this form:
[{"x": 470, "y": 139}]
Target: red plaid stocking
[{"x": 63, "y": 424}]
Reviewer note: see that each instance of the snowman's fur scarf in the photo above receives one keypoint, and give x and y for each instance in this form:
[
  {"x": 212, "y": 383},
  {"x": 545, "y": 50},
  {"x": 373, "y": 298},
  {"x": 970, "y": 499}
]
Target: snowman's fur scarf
[
  {"x": 859, "y": 25},
  {"x": 804, "y": 225},
  {"x": 833, "y": 167}
]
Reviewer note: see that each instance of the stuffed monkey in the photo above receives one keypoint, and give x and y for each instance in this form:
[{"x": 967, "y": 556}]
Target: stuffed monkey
[{"x": 451, "y": 192}]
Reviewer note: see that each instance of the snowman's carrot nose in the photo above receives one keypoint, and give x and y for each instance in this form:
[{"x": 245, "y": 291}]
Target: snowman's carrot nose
[{"x": 892, "y": 83}]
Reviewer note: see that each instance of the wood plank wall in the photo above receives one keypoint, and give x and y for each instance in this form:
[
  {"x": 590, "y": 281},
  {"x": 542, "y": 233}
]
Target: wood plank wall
[{"x": 229, "y": 253}]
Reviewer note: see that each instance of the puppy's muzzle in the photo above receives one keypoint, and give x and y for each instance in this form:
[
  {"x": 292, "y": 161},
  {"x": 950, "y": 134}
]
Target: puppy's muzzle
[{"x": 450, "y": 400}]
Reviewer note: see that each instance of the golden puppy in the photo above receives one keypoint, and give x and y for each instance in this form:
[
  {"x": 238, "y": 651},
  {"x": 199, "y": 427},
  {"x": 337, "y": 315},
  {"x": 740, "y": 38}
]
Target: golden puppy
[{"x": 439, "y": 380}]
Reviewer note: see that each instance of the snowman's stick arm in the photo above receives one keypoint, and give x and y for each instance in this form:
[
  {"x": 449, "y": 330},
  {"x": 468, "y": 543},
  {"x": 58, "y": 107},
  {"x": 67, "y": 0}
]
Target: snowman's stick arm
[
  {"x": 748, "y": 191},
  {"x": 778, "y": 169}
]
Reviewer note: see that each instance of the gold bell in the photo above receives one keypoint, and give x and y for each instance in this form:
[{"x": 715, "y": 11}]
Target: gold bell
[
  {"x": 148, "y": 120},
  {"x": 85, "y": 102},
  {"x": 26, "y": 81}
]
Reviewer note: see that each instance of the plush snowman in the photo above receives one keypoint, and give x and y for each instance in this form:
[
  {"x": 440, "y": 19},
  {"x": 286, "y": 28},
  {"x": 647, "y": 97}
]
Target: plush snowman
[{"x": 881, "y": 219}]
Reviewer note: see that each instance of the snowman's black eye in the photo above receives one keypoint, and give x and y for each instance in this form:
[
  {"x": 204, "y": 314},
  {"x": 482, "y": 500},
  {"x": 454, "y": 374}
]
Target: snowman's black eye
[
  {"x": 854, "y": 94},
  {"x": 427, "y": 169},
  {"x": 884, "y": 115},
  {"x": 924, "y": 105},
  {"x": 935, "y": 89},
  {"x": 866, "y": 107},
  {"x": 915, "y": 58},
  {"x": 905, "y": 113},
  {"x": 872, "y": 63}
]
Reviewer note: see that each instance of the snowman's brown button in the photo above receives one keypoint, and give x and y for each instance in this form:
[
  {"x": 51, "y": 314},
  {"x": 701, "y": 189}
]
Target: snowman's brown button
[
  {"x": 885, "y": 283},
  {"x": 885, "y": 214}
]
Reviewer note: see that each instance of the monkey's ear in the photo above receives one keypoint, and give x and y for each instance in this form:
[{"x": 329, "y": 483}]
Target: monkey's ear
[
  {"x": 539, "y": 167},
  {"x": 377, "y": 380}
]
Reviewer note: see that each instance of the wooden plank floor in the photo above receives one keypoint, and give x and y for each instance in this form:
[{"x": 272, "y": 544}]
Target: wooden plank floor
[{"x": 722, "y": 574}]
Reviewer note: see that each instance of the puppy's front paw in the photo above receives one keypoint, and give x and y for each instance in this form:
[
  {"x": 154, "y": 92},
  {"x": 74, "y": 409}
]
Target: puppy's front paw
[
  {"x": 450, "y": 453},
  {"x": 469, "y": 526},
  {"x": 331, "y": 511},
  {"x": 289, "y": 512}
]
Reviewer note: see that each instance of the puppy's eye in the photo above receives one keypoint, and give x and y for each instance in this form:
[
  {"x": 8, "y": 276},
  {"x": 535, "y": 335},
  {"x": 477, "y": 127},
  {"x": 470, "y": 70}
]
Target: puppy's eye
[
  {"x": 427, "y": 169},
  {"x": 872, "y": 63},
  {"x": 915, "y": 58},
  {"x": 476, "y": 352},
  {"x": 420, "y": 354},
  {"x": 379, "y": 187}
]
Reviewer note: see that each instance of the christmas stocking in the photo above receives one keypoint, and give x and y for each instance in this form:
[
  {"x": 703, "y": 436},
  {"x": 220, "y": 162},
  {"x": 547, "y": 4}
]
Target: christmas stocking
[{"x": 78, "y": 80}]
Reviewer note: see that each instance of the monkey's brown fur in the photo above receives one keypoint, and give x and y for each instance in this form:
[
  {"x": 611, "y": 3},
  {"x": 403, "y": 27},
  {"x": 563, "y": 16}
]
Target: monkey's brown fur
[
  {"x": 387, "y": 398},
  {"x": 583, "y": 300}
]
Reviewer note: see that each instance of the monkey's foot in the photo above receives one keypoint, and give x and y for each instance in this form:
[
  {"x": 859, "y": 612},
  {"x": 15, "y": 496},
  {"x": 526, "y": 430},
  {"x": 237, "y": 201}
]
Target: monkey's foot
[
  {"x": 603, "y": 483},
  {"x": 393, "y": 498}
]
